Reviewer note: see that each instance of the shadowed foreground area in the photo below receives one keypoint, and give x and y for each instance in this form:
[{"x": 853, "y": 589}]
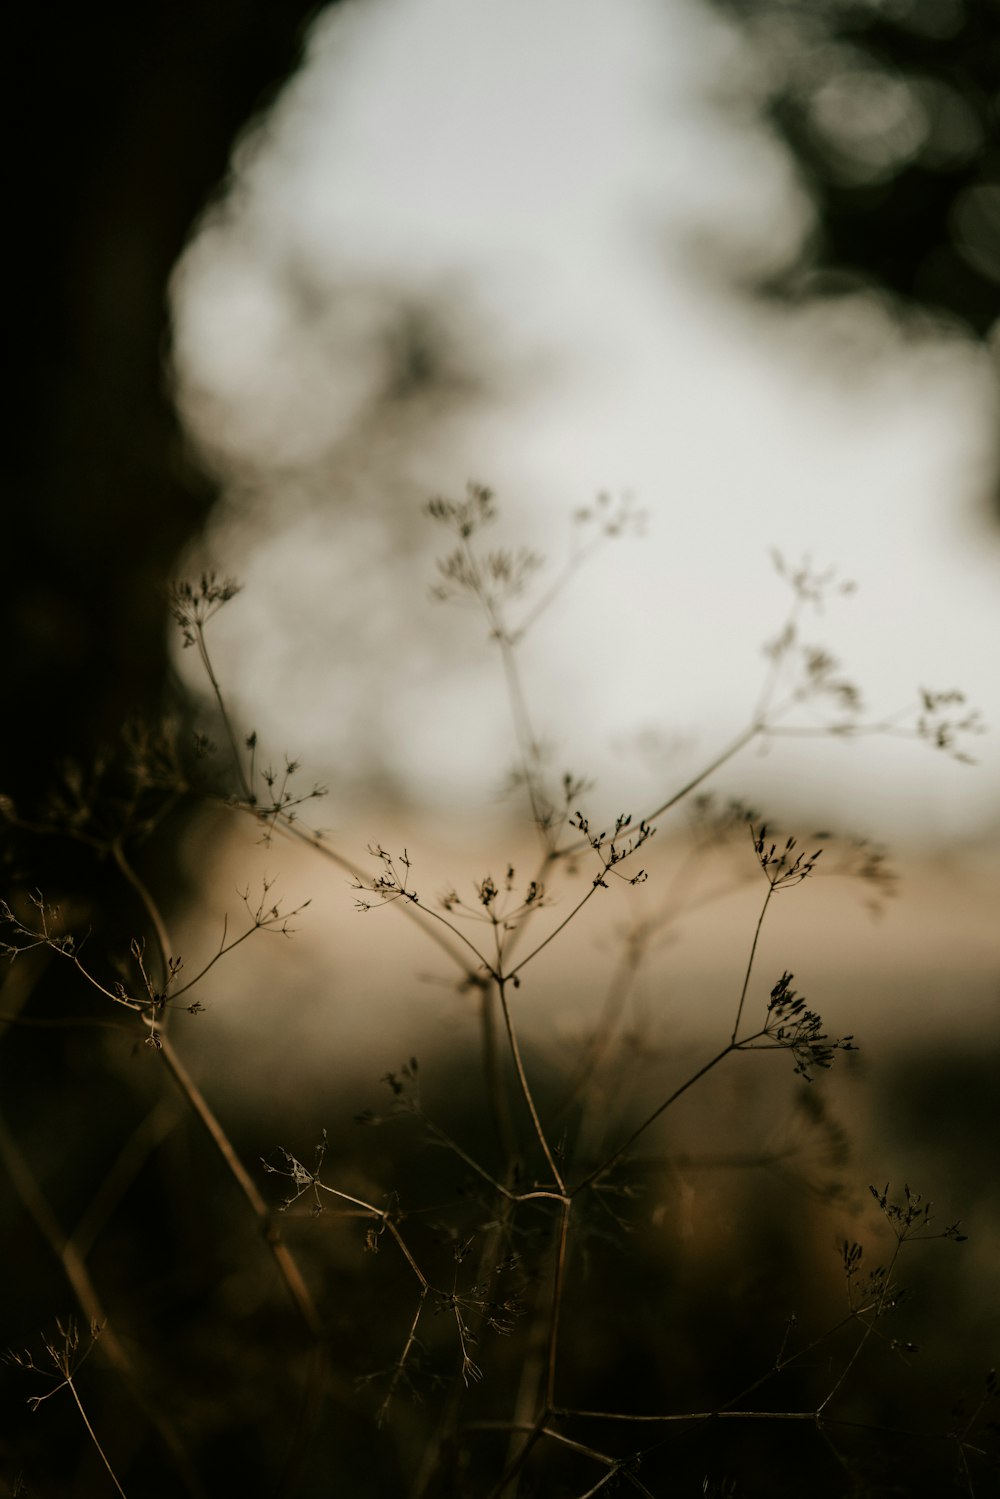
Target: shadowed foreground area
[{"x": 732, "y": 1273}]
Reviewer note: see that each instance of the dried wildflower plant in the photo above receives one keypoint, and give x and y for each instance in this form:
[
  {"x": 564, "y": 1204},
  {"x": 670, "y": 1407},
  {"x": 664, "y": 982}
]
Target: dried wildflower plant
[
  {"x": 62, "y": 1361},
  {"x": 482, "y": 1299}
]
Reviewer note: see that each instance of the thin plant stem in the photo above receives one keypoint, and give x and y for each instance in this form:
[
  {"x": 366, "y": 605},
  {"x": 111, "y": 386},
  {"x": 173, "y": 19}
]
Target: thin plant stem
[
  {"x": 525, "y": 735},
  {"x": 284, "y": 1259},
  {"x": 517, "y": 1462},
  {"x": 869, "y": 1328},
  {"x": 778, "y": 660},
  {"x": 522, "y": 1078},
  {"x": 485, "y": 966},
  {"x": 463, "y": 1155},
  {"x": 810, "y": 1418},
  {"x": 93, "y": 1435},
  {"x": 499, "y": 1102},
  {"x": 617, "y": 1154},
  {"x": 295, "y": 830},
  {"x": 739, "y": 743},
  {"x": 397, "y": 1374},
  {"x": 225, "y": 948},
  {"x": 88, "y": 1299},
  {"x": 406, "y": 908},
  {"x": 553, "y": 934},
  {"x": 595, "y": 1050},
  {"x": 206, "y": 661},
  {"x": 750, "y": 960},
  {"x": 558, "y": 1280},
  {"x": 148, "y": 903},
  {"x": 573, "y": 565},
  {"x": 446, "y": 1426},
  {"x": 601, "y": 1483}
]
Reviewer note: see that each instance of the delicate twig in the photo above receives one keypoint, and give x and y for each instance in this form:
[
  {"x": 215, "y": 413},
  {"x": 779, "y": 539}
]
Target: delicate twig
[
  {"x": 750, "y": 961},
  {"x": 65, "y": 1362},
  {"x": 522, "y": 1078},
  {"x": 525, "y": 735},
  {"x": 206, "y": 662},
  {"x": 558, "y": 1278},
  {"x": 617, "y": 1154},
  {"x": 149, "y": 906},
  {"x": 74, "y": 1267},
  {"x": 71, "y": 1386},
  {"x": 397, "y": 1374},
  {"x": 553, "y": 934},
  {"x": 739, "y": 743},
  {"x": 280, "y": 1253}
]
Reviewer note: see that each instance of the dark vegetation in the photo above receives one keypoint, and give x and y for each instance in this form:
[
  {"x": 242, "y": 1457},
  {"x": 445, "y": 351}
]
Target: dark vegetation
[{"x": 481, "y": 1284}]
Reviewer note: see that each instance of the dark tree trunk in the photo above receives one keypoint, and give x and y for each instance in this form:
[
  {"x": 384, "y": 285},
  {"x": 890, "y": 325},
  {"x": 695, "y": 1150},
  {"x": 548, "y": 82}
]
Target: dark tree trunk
[{"x": 127, "y": 122}]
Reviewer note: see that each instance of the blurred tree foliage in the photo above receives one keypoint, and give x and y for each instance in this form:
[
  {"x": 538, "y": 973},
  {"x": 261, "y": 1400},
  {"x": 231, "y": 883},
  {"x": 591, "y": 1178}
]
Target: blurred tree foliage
[{"x": 891, "y": 109}]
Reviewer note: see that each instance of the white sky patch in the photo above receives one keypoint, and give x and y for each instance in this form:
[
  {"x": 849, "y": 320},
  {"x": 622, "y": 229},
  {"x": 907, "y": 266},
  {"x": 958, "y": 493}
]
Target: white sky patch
[{"x": 563, "y": 166}]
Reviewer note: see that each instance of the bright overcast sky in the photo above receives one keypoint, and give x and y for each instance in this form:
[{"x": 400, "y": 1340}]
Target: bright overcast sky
[{"x": 566, "y": 174}]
